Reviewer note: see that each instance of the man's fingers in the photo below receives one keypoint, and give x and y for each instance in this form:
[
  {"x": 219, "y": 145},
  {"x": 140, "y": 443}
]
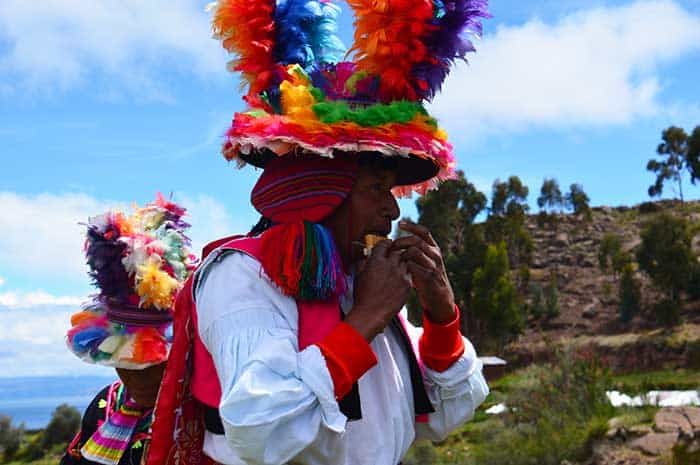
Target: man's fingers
[
  {"x": 381, "y": 248},
  {"x": 395, "y": 257},
  {"x": 419, "y": 272},
  {"x": 416, "y": 255},
  {"x": 416, "y": 241},
  {"x": 418, "y": 230}
]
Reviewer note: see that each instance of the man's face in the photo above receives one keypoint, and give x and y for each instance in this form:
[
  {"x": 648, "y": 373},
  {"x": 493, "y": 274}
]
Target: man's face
[
  {"x": 370, "y": 207},
  {"x": 143, "y": 385}
]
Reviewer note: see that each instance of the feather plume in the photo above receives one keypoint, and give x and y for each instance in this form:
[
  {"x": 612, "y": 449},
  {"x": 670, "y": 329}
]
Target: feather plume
[
  {"x": 447, "y": 41},
  {"x": 389, "y": 42},
  {"x": 104, "y": 252},
  {"x": 247, "y": 30},
  {"x": 306, "y": 33}
]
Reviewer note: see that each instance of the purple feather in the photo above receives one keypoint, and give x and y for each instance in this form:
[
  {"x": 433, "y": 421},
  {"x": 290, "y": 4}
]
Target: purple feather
[
  {"x": 447, "y": 43},
  {"x": 104, "y": 257}
]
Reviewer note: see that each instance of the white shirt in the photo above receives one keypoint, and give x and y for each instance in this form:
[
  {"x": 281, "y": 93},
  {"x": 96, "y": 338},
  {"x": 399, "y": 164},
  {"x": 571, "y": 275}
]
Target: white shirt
[{"x": 278, "y": 403}]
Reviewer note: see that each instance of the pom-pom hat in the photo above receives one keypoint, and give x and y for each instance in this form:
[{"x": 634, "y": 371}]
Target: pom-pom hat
[
  {"x": 138, "y": 263},
  {"x": 303, "y": 98}
]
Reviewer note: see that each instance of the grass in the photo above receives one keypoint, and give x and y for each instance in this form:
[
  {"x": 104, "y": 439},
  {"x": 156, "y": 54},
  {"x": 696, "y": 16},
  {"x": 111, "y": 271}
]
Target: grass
[
  {"x": 556, "y": 421},
  {"x": 42, "y": 461},
  {"x": 638, "y": 383}
]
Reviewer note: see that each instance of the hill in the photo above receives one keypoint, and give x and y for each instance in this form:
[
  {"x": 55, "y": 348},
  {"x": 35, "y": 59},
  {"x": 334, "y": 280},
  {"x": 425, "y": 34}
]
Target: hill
[{"x": 588, "y": 297}]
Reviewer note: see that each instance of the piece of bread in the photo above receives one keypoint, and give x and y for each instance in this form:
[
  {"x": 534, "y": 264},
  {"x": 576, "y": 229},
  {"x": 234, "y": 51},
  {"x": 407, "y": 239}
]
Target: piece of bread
[{"x": 370, "y": 241}]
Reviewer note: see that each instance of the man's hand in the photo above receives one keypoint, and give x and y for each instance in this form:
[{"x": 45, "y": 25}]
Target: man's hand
[
  {"x": 424, "y": 261},
  {"x": 381, "y": 290}
]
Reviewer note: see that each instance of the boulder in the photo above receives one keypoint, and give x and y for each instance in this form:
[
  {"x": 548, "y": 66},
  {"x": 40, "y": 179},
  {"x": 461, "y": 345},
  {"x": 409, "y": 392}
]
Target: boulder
[
  {"x": 672, "y": 420},
  {"x": 589, "y": 311},
  {"x": 655, "y": 443}
]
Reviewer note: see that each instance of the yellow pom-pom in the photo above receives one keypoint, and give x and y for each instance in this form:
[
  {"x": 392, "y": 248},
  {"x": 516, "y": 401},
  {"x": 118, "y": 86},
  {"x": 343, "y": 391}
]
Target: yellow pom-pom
[{"x": 155, "y": 287}]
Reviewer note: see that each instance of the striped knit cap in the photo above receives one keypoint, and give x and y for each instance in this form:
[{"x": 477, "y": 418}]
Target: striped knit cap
[
  {"x": 297, "y": 188},
  {"x": 297, "y": 192}
]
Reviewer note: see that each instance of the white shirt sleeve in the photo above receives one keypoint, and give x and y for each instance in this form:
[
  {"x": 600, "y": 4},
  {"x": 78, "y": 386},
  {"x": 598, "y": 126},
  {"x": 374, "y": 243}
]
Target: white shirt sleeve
[
  {"x": 455, "y": 393},
  {"x": 277, "y": 401}
]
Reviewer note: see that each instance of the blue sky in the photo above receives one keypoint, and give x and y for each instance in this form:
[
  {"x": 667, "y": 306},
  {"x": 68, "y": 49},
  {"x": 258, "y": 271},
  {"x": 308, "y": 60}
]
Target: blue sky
[{"x": 104, "y": 103}]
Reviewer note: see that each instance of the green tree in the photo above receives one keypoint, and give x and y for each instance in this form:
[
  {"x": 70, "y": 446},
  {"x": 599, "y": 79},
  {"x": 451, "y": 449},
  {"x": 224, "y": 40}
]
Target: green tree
[
  {"x": 449, "y": 212},
  {"x": 675, "y": 159},
  {"x": 665, "y": 254},
  {"x": 537, "y": 303},
  {"x": 611, "y": 257},
  {"x": 509, "y": 198},
  {"x": 578, "y": 201},
  {"x": 551, "y": 198},
  {"x": 10, "y": 438},
  {"x": 506, "y": 222},
  {"x": 551, "y": 302},
  {"x": 65, "y": 422},
  {"x": 630, "y": 294},
  {"x": 693, "y": 155},
  {"x": 495, "y": 299}
]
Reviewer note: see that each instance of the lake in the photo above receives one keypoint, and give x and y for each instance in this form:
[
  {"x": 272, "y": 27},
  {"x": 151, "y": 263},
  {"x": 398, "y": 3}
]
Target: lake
[{"x": 32, "y": 400}]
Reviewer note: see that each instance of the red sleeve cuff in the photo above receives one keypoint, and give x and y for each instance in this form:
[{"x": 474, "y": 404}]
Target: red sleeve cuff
[
  {"x": 348, "y": 356},
  {"x": 440, "y": 345}
]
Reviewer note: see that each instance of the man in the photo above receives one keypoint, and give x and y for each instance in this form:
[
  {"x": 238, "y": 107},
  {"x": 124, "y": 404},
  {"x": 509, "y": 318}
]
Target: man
[
  {"x": 137, "y": 263},
  {"x": 289, "y": 347}
]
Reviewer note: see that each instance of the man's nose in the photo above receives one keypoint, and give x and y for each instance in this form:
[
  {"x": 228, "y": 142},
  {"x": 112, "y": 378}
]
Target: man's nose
[{"x": 392, "y": 207}]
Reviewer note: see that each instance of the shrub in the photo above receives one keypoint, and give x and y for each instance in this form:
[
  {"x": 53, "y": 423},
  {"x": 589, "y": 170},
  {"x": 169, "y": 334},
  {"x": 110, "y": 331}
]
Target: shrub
[
  {"x": 495, "y": 299},
  {"x": 31, "y": 450},
  {"x": 537, "y": 307},
  {"x": 666, "y": 311},
  {"x": 646, "y": 208},
  {"x": 611, "y": 257},
  {"x": 65, "y": 422},
  {"x": 551, "y": 304},
  {"x": 694, "y": 283},
  {"x": 10, "y": 437},
  {"x": 557, "y": 417},
  {"x": 422, "y": 453},
  {"x": 630, "y": 294},
  {"x": 665, "y": 253}
]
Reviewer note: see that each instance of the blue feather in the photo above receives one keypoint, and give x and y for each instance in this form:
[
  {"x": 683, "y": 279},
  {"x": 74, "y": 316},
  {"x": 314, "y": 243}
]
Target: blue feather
[{"x": 306, "y": 33}]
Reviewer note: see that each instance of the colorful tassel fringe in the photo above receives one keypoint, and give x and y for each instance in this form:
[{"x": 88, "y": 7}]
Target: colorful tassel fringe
[{"x": 302, "y": 260}]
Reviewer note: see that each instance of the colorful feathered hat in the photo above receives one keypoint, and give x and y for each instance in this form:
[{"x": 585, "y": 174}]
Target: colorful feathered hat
[
  {"x": 303, "y": 98},
  {"x": 138, "y": 263}
]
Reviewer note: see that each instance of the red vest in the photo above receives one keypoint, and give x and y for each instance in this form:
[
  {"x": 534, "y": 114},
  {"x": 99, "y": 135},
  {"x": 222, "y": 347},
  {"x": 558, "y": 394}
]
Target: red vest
[{"x": 316, "y": 320}]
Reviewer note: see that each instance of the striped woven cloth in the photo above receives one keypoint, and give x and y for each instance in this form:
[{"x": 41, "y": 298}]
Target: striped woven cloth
[{"x": 113, "y": 437}]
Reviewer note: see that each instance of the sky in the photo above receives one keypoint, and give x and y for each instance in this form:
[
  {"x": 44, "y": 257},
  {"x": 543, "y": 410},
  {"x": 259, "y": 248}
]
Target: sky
[{"x": 104, "y": 103}]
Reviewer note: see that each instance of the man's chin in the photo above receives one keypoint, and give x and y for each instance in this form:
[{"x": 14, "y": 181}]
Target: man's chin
[{"x": 384, "y": 232}]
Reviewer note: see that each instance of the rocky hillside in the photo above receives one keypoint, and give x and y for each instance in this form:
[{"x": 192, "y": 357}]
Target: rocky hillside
[
  {"x": 630, "y": 442},
  {"x": 588, "y": 297}
]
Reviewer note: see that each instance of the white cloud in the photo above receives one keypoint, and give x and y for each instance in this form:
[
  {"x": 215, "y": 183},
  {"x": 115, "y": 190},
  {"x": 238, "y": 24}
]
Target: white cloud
[
  {"x": 62, "y": 43},
  {"x": 2, "y": 280},
  {"x": 32, "y": 339},
  {"x": 39, "y": 297},
  {"x": 37, "y": 324},
  {"x": 55, "y": 253},
  {"x": 595, "y": 67},
  {"x": 42, "y": 235}
]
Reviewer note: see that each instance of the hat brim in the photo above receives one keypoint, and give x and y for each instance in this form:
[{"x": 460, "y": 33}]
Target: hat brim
[{"x": 410, "y": 170}]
